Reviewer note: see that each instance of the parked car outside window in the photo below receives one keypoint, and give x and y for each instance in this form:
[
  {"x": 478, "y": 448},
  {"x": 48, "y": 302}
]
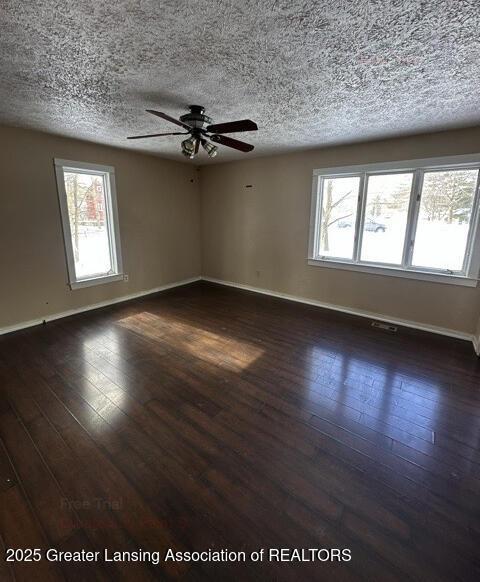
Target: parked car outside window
[{"x": 370, "y": 225}]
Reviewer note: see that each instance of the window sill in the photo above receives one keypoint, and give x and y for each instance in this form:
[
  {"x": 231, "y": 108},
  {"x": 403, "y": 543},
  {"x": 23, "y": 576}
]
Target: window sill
[
  {"x": 394, "y": 272},
  {"x": 96, "y": 281}
]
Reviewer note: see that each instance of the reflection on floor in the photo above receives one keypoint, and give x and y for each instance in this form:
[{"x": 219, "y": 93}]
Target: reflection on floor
[{"x": 206, "y": 417}]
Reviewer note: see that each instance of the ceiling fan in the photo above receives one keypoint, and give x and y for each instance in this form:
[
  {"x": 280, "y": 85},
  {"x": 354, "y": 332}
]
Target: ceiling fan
[{"x": 197, "y": 125}]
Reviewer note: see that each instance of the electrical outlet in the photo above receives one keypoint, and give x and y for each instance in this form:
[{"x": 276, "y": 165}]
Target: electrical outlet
[{"x": 125, "y": 277}]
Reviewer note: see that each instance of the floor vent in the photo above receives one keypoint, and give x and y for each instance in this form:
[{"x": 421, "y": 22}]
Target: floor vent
[{"x": 385, "y": 326}]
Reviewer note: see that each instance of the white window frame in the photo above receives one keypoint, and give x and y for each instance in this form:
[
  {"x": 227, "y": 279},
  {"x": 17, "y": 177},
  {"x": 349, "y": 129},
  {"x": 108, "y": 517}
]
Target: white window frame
[
  {"x": 111, "y": 212},
  {"x": 468, "y": 276}
]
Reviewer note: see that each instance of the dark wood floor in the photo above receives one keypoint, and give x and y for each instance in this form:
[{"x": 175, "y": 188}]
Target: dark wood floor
[{"x": 206, "y": 417}]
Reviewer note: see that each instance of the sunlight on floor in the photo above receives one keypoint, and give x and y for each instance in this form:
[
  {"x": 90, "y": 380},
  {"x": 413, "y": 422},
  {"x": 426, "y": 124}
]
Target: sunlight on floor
[{"x": 219, "y": 350}]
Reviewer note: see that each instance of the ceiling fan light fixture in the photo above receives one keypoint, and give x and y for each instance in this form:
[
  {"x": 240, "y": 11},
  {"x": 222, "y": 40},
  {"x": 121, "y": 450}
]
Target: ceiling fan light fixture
[
  {"x": 211, "y": 149},
  {"x": 188, "y": 147}
]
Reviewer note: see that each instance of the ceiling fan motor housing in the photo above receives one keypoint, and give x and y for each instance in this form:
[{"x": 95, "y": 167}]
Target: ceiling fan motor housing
[{"x": 196, "y": 117}]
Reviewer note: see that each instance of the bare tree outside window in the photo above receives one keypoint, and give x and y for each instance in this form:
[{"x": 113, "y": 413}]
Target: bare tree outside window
[
  {"x": 328, "y": 213},
  {"x": 339, "y": 208},
  {"x": 444, "y": 219},
  {"x": 448, "y": 195},
  {"x": 86, "y": 209}
]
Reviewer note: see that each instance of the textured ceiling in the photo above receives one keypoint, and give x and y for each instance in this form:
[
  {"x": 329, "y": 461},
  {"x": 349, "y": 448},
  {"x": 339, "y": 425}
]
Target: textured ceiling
[{"x": 309, "y": 73}]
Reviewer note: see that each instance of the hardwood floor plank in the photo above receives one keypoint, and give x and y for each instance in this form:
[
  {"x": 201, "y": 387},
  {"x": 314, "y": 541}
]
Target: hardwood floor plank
[
  {"x": 43, "y": 490},
  {"x": 20, "y": 528}
]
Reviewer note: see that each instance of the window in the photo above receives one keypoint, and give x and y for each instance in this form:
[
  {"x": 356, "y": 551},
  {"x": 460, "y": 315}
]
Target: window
[
  {"x": 413, "y": 219},
  {"x": 339, "y": 208},
  {"x": 386, "y": 211},
  {"x": 90, "y": 222},
  {"x": 444, "y": 219}
]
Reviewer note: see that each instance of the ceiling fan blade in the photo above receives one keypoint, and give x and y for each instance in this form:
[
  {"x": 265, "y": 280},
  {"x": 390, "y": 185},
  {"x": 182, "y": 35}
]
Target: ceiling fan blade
[
  {"x": 232, "y": 143},
  {"x": 233, "y": 126},
  {"x": 168, "y": 118},
  {"x": 158, "y": 135}
]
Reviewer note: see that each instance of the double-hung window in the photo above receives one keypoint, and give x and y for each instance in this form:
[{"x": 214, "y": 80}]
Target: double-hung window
[
  {"x": 415, "y": 219},
  {"x": 90, "y": 222}
]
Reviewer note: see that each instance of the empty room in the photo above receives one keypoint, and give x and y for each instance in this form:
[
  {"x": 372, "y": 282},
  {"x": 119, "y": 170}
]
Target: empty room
[{"x": 239, "y": 303}]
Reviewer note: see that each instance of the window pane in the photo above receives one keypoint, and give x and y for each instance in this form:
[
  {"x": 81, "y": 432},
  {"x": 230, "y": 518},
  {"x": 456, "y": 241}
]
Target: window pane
[
  {"x": 339, "y": 211},
  {"x": 386, "y": 212},
  {"x": 444, "y": 219},
  {"x": 88, "y": 224}
]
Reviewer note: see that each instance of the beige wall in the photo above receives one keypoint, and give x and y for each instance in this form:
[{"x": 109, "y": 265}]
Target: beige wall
[
  {"x": 159, "y": 210},
  {"x": 256, "y": 236},
  {"x": 259, "y": 236}
]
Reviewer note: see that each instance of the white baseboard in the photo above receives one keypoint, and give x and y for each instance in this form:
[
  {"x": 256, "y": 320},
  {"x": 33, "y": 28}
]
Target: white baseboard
[
  {"x": 476, "y": 344},
  {"x": 40, "y": 320},
  {"x": 351, "y": 311}
]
